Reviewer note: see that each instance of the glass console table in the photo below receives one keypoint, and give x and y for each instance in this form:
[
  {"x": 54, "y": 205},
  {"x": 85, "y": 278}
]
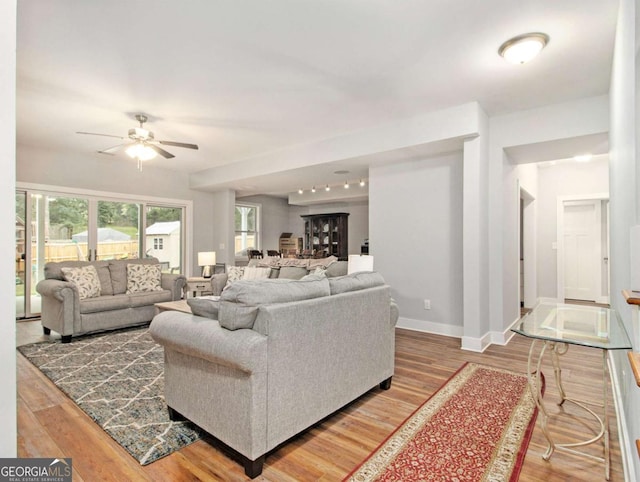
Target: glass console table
[{"x": 556, "y": 326}]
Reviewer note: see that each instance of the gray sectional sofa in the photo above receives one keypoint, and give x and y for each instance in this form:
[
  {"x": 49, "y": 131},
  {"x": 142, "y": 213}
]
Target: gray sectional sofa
[
  {"x": 272, "y": 357},
  {"x": 74, "y": 308}
]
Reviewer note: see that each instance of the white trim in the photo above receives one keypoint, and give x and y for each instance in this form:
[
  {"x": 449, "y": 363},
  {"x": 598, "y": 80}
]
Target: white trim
[
  {"x": 430, "y": 327},
  {"x": 476, "y": 344},
  {"x": 100, "y": 194},
  {"x": 549, "y": 300},
  {"x": 624, "y": 439},
  {"x": 504, "y": 337}
]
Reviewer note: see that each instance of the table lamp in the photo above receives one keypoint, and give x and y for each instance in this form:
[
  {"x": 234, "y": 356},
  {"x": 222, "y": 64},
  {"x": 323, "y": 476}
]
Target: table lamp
[
  {"x": 359, "y": 262},
  {"x": 206, "y": 259}
]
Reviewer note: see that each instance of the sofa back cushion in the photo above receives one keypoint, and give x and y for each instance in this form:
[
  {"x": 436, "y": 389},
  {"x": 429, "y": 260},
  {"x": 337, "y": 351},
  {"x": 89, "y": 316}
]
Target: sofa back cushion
[
  {"x": 118, "y": 270},
  {"x": 339, "y": 268},
  {"x": 355, "y": 281},
  {"x": 292, "y": 272},
  {"x": 53, "y": 270},
  {"x": 240, "y": 301}
]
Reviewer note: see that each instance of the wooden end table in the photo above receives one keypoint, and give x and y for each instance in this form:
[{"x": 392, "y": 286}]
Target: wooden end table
[
  {"x": 198, "y": 286},
  {"x": 179, "y": 305}
]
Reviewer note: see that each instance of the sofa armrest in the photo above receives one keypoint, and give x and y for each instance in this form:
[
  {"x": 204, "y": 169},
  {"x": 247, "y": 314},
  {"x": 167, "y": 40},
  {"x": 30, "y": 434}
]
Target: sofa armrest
[
  {"x": 395, "y": 312},
  {"x": 60, "y": 309},
  {"x": 174, "y": 283},
  {"x": 55, "y": 288},
  {"x": 199, "y": 337},
  {"x": 218, "y": 282}
]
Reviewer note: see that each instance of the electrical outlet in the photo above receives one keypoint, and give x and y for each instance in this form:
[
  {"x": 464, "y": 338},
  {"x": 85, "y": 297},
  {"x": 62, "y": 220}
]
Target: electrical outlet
[{"x": 427, "y": 304}]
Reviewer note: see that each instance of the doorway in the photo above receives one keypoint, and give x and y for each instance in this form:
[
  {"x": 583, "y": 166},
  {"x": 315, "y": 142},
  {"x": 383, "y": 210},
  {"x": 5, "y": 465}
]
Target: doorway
[{"x": 583, "y": 260}]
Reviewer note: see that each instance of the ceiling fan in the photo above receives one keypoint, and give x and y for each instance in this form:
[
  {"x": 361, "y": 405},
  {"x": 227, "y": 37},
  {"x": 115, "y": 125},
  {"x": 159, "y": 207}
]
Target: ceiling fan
[{"x": 144, "y": 146}]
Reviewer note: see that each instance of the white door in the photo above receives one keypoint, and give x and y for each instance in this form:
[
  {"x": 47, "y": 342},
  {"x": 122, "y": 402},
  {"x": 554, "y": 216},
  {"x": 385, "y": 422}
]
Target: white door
[{"x": 582, "y": 249}]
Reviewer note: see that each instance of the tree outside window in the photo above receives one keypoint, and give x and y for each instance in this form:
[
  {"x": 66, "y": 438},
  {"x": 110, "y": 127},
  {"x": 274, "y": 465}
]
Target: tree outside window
[{"x": 246, "y": 226}]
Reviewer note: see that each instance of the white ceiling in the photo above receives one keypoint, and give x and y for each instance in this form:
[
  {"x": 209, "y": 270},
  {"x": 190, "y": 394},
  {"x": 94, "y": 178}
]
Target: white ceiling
[{"x": 245, "y": 78}]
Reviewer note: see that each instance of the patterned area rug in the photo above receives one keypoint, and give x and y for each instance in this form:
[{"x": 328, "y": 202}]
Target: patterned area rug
[
  {"x": 477, "y": 427},
  {"x": 117, "y": 379}
]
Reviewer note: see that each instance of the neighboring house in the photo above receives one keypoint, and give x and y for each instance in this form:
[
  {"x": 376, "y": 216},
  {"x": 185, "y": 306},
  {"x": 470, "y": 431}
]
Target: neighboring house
[
  {"x": 104, "y": 235},
  {"x": 163, "y": 242}
]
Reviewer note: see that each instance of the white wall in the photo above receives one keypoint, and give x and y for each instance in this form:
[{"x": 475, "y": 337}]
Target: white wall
[
  {"x": 8, "y": 435},
  {"x": 415, "y": 224},
  {"x": 274, "y": 217},
  {"x": 358, "y": 220},
  {"x": 624, "y": 198},
  {"x": 562, "y": 179}
]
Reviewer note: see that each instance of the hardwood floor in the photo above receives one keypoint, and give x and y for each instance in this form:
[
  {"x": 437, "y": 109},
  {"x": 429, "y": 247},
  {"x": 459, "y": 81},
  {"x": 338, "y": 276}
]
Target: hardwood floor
[{"x": 50, "y": 425}]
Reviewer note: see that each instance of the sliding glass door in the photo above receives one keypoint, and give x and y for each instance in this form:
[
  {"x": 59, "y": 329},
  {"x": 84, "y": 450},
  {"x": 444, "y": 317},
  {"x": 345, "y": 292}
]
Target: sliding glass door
[{"x": 60, "y": 227}]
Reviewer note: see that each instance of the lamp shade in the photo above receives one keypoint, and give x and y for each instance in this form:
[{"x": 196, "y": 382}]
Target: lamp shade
[
  {"x": 206, "y": 258},
  {"x": 359, "y": 262}
]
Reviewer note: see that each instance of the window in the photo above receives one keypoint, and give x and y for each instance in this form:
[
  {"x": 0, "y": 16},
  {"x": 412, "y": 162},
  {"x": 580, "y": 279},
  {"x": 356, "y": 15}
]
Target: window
[
  {"x": 247, "y": 222},
  {"x": 157, "y": 243}
]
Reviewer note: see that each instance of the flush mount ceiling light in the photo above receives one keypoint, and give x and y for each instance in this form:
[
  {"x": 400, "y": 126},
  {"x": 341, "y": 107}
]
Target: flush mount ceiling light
[{"x": 523, "y": 48}]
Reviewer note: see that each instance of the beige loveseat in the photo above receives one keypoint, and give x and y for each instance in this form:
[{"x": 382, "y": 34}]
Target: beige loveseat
[
  {"x": 279, "y": 356},
  {"x": 123, "y": 295}
]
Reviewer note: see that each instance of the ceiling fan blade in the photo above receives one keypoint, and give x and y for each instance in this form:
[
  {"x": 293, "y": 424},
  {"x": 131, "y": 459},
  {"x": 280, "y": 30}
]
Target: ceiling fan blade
[
  {"x": 112, "y": 149},
  {"x": 104, "y": 135},
  {"x": 162, "y": 152},
  {"x": 179, "y": 144}
]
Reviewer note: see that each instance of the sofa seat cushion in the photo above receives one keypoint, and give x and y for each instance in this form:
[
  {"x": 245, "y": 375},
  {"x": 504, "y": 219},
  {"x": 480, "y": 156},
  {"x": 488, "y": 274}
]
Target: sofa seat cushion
[
  {"x": 239, "y": 301},
  {"x": 355, "y": 281},
  {"x": 104, "y": 303},
  {"x": 148, "y": 298}
]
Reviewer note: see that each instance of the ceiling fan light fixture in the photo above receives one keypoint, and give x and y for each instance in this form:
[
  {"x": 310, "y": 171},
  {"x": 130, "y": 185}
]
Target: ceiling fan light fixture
[
  {"x": 141, "y": 152},
  {"x": 523, "y": 48}
]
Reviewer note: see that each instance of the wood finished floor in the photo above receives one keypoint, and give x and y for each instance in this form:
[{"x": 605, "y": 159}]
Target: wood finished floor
[{"x": 50, "y": 425}]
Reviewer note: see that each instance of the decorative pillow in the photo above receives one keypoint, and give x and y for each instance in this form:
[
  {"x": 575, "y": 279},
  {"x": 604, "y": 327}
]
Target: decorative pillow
[
  {"x": 206, "y": 306},
  {"x": 86, "y": 280},
  {"x": 234, "y": 273},
  {"x": 251, "y": 273},
  {"x": 319, "y": 270},
  {"x": 143, "y": 277}
]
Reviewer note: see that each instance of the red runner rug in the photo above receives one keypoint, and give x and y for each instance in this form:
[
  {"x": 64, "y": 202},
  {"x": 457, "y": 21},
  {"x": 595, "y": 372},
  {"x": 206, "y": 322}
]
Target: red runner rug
[{"x": 476, "y": 427}]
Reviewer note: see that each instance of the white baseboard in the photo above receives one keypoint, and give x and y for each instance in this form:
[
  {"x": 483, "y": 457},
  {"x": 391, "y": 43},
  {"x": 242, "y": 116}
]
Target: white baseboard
[
  {"x": 429, "y": 327},
  {"x": 549, "y": 300},
  {"x": 503, "y": 337},
  {"x": 624, "y": 439},
  {"x": 476, "y": 344}
]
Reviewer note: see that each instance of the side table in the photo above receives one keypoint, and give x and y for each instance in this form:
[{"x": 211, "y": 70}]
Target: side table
[
  {"x": 558, "y": 326},
  {"x": 198, "y": 286}
]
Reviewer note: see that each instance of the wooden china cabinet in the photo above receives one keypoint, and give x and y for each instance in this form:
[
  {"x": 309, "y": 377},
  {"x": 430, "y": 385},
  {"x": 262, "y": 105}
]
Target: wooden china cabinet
[{"x": 327, "y": 234}]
